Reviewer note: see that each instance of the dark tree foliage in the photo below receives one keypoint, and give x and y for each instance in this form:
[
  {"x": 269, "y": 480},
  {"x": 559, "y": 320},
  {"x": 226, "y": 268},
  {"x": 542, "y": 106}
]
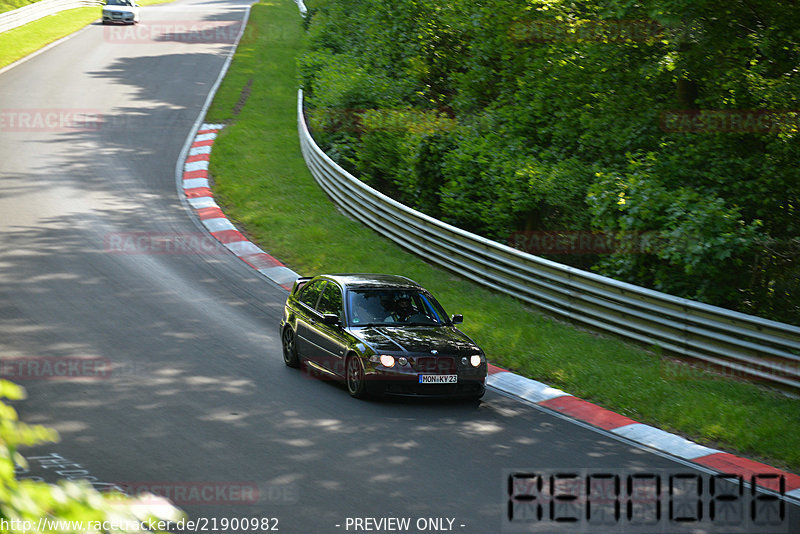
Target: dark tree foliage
[{"x": 669, "y": 127}]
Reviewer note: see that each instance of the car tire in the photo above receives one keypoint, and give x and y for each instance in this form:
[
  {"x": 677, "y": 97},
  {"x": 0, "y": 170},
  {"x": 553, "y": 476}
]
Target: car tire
[
  {"x": 289, "y": 342},
  {"x": 354, "y": 377}
]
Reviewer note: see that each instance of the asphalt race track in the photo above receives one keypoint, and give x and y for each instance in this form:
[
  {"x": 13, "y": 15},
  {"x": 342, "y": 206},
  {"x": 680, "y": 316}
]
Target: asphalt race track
[{"x": 198, "y": 403}]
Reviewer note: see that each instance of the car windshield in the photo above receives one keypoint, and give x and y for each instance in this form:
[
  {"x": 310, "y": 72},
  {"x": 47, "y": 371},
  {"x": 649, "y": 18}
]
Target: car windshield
[
  {"x": 393, "y": 307},
  {"x": 128, "y": 3}
]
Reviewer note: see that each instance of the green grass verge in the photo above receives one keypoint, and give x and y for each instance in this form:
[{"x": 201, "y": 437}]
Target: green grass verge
[
  {"x": 17, "y": 43},
  {"x": 264, "y": 186},
  {"x": 11, "y": 5}
]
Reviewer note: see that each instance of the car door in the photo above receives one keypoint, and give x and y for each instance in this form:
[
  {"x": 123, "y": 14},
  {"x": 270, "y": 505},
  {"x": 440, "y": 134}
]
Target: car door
[
  {"x": 330, "y": 339},
  {"x": 307, "y": 318}
]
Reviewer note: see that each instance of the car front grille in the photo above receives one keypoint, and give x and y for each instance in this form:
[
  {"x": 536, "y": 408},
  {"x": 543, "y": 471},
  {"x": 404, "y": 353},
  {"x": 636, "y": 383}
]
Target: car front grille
[{"x": 435, "y": 364}]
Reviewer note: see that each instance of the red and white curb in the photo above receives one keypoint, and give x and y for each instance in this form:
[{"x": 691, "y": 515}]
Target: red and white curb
[
  {"x": 575, "y": 408},
  {"x": 198, "y": 194}
]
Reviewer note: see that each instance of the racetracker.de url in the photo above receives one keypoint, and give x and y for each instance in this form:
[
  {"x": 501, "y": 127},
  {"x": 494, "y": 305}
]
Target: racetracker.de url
[{"x": 202, "y": 524}]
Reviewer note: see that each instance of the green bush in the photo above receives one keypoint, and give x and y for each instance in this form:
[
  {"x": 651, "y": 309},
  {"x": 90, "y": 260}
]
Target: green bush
[{"x": 674, "y": 240}]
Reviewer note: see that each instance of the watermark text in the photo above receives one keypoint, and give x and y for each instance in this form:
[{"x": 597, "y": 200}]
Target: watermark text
[
  {"x": 730, "y": 121},
  {"x": 51, "y": 368},
  {"x": 155, "y": 243},
  {"x": 49, "y": 120}
]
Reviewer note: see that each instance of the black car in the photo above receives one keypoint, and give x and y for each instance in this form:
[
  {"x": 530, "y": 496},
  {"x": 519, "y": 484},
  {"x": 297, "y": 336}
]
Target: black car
[{"x": 380, "y": 334}]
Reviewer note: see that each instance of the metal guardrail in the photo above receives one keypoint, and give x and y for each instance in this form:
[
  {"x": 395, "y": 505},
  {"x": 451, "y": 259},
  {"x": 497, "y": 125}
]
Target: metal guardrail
[
  {"x": 738, "y": 343},
  {"x": 18, "y": 17}
]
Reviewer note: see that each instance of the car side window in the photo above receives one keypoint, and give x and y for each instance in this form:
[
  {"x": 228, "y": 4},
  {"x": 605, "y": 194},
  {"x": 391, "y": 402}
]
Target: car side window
[
  {"x": 331, "y": 301},
  {"x": 310, "y": 293}
]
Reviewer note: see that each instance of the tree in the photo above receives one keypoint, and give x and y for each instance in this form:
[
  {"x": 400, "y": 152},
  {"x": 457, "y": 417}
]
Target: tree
[{"x": 555, "y": 107}]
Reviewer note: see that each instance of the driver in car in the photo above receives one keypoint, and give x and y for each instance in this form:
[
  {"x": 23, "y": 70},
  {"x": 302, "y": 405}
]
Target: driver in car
[
  {"x": 403, "y": 309},
  {"x": 405, "y": 312}
]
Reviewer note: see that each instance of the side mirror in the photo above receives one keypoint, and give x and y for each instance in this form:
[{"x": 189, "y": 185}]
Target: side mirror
[
  {"x": 330, "y": 319},
  {"x": 457, "y": 319}
]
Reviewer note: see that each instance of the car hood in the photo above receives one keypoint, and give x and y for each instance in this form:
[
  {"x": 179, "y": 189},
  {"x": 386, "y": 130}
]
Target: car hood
[{"x": 447, "y": 340}]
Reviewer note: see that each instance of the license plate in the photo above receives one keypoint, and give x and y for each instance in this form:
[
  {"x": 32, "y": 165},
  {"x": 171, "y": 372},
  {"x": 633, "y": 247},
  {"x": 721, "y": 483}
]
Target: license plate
[{"x": 438, "y": 379}]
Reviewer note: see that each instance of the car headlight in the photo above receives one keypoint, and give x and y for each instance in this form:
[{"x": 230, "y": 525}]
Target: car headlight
[
  {"x": 475, "y": 360},
  {"x": 388, "y": 361}
]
